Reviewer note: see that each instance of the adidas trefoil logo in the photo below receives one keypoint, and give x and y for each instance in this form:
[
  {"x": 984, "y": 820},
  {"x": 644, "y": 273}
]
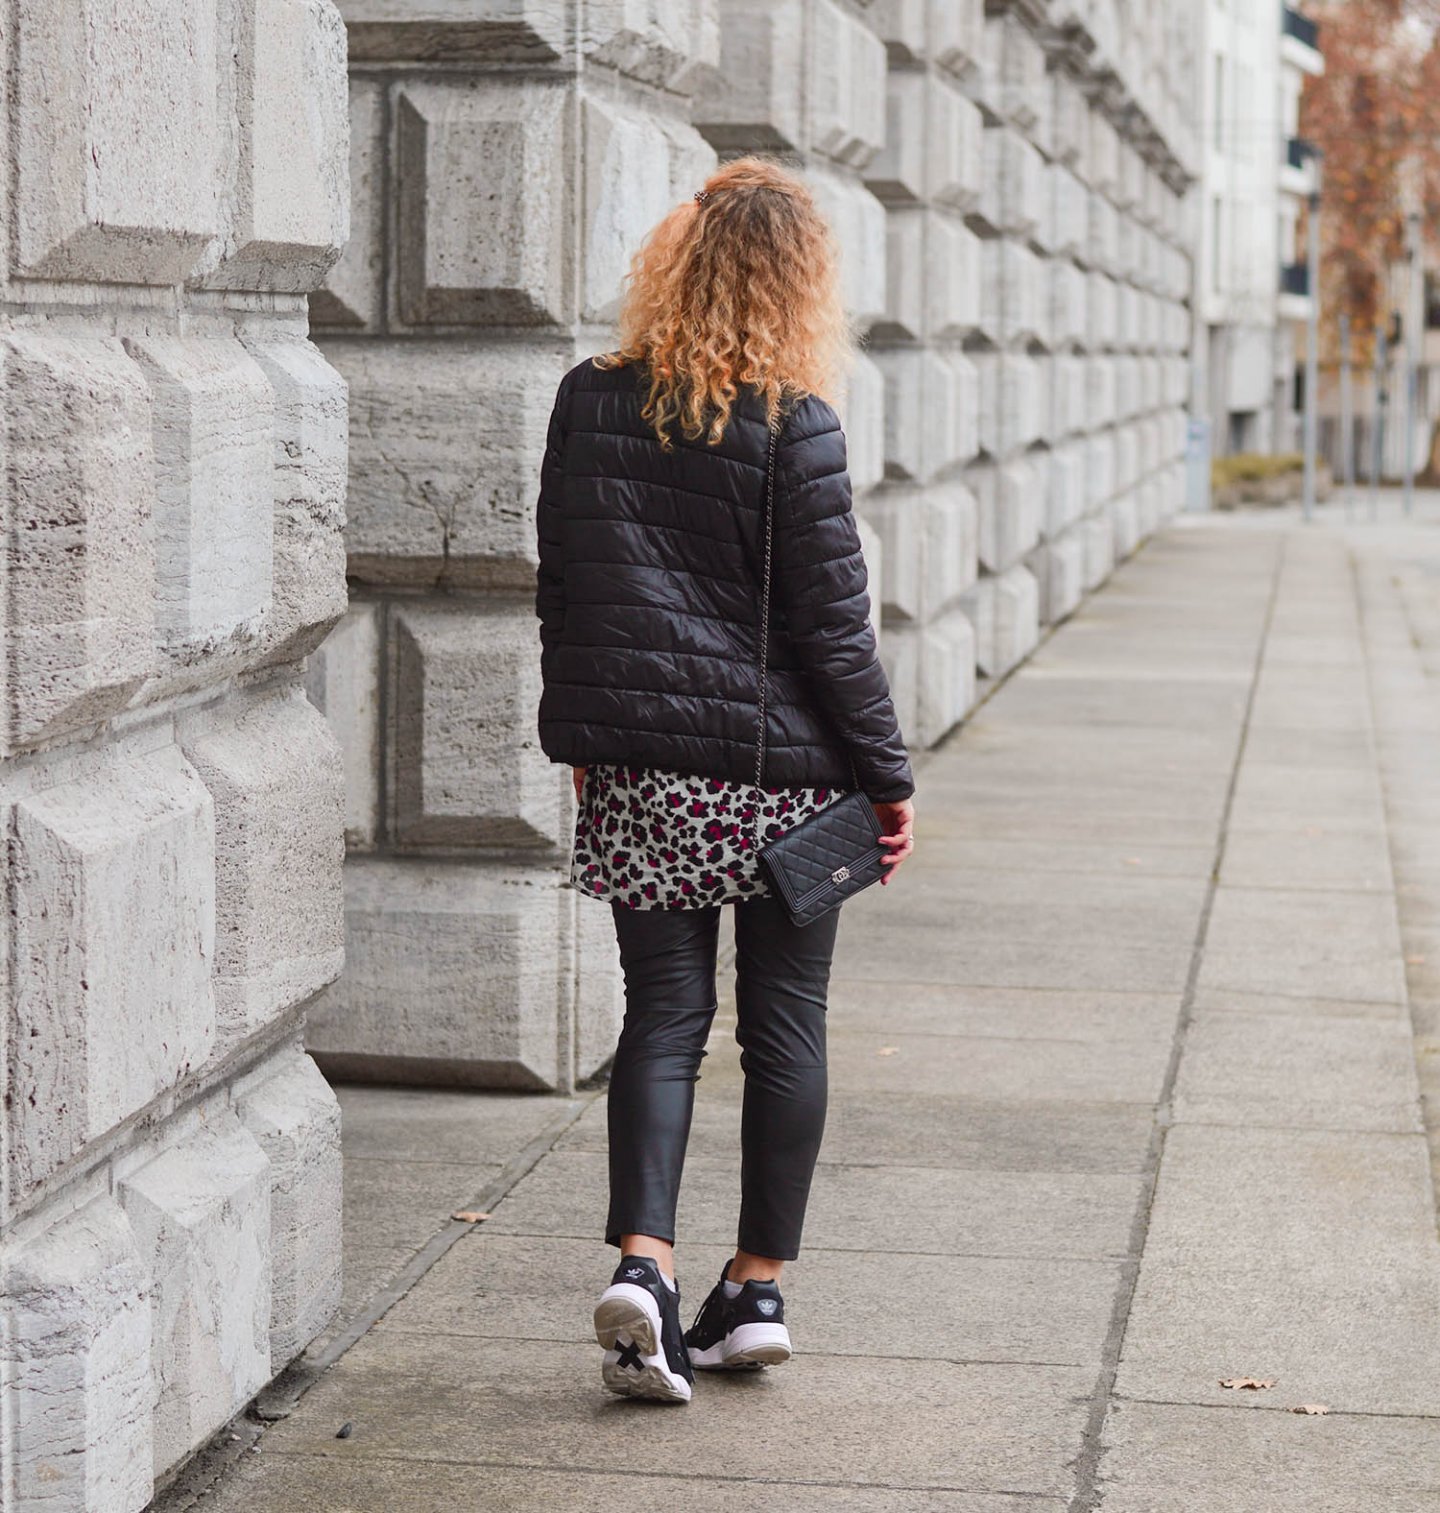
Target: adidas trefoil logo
[
  {"x": 767, "y": 1306},
  {"x": 634, "y": 1271}
]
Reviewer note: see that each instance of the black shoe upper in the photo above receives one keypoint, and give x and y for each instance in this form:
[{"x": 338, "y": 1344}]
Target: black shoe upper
[
  {"x": 757, "y": 1303},
  {"x": 641, "y": 1271}
]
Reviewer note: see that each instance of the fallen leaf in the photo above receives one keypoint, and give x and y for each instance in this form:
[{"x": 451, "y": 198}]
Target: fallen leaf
[
  {"x": 887, "y": 1050},
  {"x": 1248, "y": 1383},
  {"x": 1310, "y": 1408},
  {"x": 469, "y": 1216}
]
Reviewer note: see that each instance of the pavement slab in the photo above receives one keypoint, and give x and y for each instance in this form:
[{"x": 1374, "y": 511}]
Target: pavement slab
[{"x": 1128, "y": 1082}]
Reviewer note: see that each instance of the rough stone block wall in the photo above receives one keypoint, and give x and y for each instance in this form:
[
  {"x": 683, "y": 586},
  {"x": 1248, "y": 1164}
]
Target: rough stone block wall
[
  {"x": 1008, "y": 183},
  {"x": 171, "y": 549}
]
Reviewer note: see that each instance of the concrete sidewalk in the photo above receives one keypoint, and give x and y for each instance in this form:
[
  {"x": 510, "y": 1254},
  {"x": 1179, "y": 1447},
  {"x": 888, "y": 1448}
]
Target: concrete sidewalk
[{"x": 1124, "y": 1105}]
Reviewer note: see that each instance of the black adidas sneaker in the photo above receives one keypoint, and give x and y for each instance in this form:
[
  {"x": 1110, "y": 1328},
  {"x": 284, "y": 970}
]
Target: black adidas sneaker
[
  {"x": 740, "y": 1333},
  {"x": 637, "y": 1320}
]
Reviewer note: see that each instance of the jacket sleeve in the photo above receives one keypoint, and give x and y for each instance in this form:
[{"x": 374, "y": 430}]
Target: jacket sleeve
[
  {"x": 550, "y": 574},
  {"x": 821, "y": 586}
]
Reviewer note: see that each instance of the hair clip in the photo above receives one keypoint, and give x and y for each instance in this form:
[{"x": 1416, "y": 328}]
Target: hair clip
[{"x": 701, "y": 195}]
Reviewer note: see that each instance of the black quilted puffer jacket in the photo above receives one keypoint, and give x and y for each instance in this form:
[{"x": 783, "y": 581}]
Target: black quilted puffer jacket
[{"x": 649, "y": 590}]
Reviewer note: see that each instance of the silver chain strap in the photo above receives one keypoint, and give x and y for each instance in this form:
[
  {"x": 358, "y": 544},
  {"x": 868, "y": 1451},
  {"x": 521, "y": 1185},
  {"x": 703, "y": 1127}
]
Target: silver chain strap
[{"x": 763, "y": 651}]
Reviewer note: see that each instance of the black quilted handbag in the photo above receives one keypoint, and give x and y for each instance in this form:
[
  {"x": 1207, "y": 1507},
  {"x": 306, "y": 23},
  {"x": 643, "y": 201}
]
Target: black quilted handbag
[{"x": 833, "y": 854}]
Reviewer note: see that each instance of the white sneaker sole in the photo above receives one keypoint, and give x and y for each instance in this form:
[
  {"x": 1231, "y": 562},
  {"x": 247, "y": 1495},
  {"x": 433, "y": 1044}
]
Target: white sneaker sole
[
  {"x": 746, "y": 1348},
  {"x": 627, "y": 1319}
]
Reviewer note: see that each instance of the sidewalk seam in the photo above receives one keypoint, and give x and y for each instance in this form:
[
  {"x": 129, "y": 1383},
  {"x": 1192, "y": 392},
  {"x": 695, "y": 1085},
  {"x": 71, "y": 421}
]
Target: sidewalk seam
[{"x": 1087, "y": 1494}]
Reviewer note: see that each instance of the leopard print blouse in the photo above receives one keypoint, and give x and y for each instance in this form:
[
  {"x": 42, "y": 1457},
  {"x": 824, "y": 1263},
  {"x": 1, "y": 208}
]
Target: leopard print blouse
[{"x": 651, "y": 839}]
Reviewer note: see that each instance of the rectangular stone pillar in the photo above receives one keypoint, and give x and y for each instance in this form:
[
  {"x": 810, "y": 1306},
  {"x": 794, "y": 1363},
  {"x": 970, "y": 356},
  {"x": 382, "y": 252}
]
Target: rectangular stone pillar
[{"x": 172, "y": 806}]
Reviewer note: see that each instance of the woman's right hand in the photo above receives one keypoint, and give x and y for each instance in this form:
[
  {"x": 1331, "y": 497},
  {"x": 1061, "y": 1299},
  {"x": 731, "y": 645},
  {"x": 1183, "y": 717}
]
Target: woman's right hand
[{"x": 897, "y": 825}]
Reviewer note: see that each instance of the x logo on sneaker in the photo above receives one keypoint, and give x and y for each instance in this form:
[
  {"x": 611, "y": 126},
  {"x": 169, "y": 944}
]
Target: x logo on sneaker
[{"x": 629, "y": 1355}]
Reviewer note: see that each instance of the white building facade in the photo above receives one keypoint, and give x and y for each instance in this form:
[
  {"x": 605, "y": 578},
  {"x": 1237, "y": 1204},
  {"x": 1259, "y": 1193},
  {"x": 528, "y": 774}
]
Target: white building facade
[{"x": 1252, "y": 297}]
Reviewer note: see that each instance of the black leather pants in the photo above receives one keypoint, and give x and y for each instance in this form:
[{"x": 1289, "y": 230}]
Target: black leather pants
[{"x": 782, "y": 973}]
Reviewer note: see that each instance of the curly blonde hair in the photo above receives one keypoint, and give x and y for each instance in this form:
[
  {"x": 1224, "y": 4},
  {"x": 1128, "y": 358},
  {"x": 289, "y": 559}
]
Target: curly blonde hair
[{"x": 739, "y": 285}]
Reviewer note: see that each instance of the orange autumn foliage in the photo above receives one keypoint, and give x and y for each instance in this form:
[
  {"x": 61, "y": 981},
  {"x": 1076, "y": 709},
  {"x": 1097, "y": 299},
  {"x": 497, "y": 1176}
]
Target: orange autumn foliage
[{"x": 1375, "y": 114}]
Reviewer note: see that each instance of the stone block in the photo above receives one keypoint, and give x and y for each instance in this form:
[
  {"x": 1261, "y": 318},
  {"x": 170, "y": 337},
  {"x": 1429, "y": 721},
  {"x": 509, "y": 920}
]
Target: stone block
[
  {"x": 213, "y": 437},
  {"x": 112, "y": 906},
  {"x": 1100, "y": 397},
  {"x": 859, "y": 222},
  {"x": 862, "y": 412},
  {"x": 946, "y": 675},
  {"x": 629, "y": 180},
  {"x": 921, "y": 413},
  {"x": 352, "y": 292},
  {"x": 978, "y": 607},
  {"x": 751, "y": 102},
  {"x": 445, "y": 447},
  {"x": 1069, "y": 288},
  {"x": 944, "y": 31},
  {"x": 485, "y": 202},
  {"x": 1127, "y": 316},
  {"x": 1100, "y": 481},
  {"x": 1147, "y": 507},
  {"x": 78, "y": 566},
  {"x": 907, "y": 292},
  {"x": 932, "y": 149},
  {"x": 949, "y": 525},
  {"x": 1099, "y": 536},
  {"x": 1058, "y": 567},
  {"x": 520, "y": 31},
  {"x": 200, "y": 1211},
  {"x": 952, "y": 277},
  {"x": 1022, "y": 98},
  {"x": 1068, "y": 396},
  {"x": 844, "y": 85},
  {"x": 1016, "y": 617},
  {"x": 1014, "y": 183},
  {"x": 599, "y": 987},
  {"x": 1011, "y": 401},
  {"x": 662, "y": 45},
  {"x": 343, "y": 682},
  {"x": 1069, "y": 116},
  {"x": 1068, "y": 212},
  {"x": 1012, "y": 280},
  {"x": 1100, "y": 308},
  {"x": 1125, "y": 518},
  {"x": 466, "y": 770},
  {"x": 1010, "y": 515},
  {"x": 895, "y": 514},
  {"x": 1100, "y": 239},
  {"x": 1127, "y": 456},
  {"x": 75, "y": 1357},
  {"x": 285, "y": 140},
  {"x": 1104, "y": 153},
  {"x": 967, "y": 396},
  {"x": 116, "y": 139},
  {"x": 1065, "y": 494},
  {"x": 450, "y": 977},
  {"x": 274, "y": 772},
  {"x": 309, "y": 478},
  {"x": 293, "y": 1116},
  {"x": 901, "y": 659}
]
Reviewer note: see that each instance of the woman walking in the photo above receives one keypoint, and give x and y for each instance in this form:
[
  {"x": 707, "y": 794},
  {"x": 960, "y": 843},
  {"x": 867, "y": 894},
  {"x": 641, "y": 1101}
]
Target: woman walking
[{"x": 689, "y": 477}]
